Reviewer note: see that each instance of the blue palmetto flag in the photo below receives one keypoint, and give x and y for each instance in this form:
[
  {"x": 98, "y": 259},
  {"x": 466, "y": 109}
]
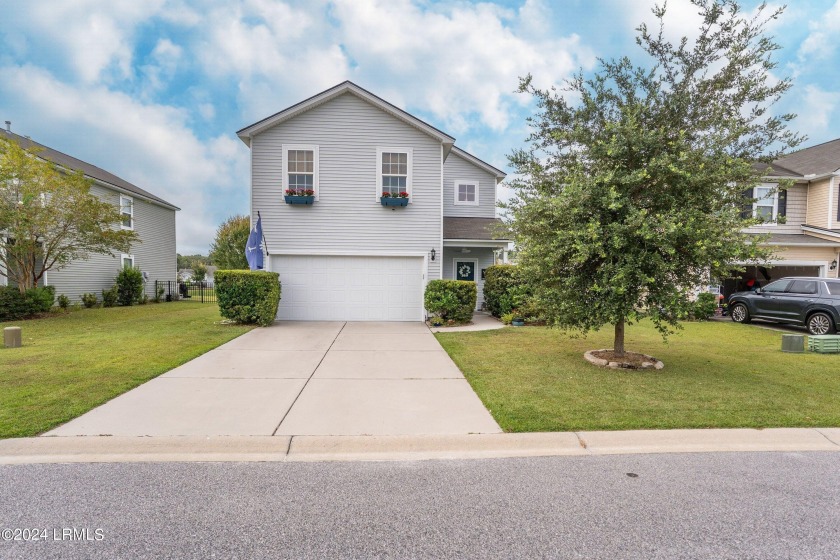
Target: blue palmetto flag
[{"x": 253, "y": 251}]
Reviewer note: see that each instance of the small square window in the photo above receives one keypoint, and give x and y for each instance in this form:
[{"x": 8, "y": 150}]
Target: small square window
[{"x": 466, "y": 192}]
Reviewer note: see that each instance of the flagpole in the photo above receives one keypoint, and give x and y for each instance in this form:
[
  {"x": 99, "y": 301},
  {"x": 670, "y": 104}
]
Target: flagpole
[{"x": 264, "y": 241}]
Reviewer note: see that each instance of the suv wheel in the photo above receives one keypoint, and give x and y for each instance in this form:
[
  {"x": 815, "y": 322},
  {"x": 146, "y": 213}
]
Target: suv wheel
[
  {"x": 820, "y": 323},
  {"x": 740, "y": 313}
]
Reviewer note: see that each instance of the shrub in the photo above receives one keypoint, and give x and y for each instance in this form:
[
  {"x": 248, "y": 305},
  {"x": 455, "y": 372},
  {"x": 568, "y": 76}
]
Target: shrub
[
  {"x": 248, "y": 296},
  {"x": 451, "y": 300},
  {"x": 507, "y": 318},
  {"x": 129, "y": 283},
  {"x": 704, "y": 308},
  {"x": 504, "y": 289},
  {"x": 89, "y": 300},
  {"x": 16, "y": 305},
  {"x": 63, "y": 301},
  {"x": 158, "y": 294},
  {"x": 109, "y": 297}
]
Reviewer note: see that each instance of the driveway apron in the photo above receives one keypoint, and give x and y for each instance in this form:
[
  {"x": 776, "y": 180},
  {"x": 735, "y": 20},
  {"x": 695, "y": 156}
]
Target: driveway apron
[{"x": 302, "y": 378}]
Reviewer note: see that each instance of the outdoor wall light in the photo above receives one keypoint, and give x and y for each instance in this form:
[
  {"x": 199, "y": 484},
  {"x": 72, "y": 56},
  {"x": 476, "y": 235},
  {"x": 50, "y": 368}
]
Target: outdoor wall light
[
  {"x": 433, "y": 257},
  {"x": 832, "y": 267}
]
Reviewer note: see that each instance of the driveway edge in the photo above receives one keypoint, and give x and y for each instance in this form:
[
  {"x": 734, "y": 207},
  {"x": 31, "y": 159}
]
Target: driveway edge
[{"x": 105, "y": 449}]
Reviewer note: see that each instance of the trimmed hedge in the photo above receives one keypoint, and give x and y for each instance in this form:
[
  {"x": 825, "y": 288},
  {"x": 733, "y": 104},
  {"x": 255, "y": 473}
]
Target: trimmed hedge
[
  {"x": 15, "y": 305},
  {"x": 503, "y": 288},
  {"x": 451, "y": 300},
  {"x": 248, "y": 296}
]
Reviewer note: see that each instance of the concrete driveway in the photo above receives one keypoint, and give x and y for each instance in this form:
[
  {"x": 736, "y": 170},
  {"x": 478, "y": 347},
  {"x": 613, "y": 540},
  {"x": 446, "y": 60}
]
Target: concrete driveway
[{"x": 302, "y": 378}]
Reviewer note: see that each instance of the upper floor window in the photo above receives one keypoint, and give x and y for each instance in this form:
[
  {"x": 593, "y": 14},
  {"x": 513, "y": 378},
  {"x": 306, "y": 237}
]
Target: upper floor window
[
  {"x": 301, "y": 173},
  {"x": 127, "y": 212},
  {"x": 394, "y": 171},
  {"x": 765, "y": 207},
  {"x": 466, "y": 192}
]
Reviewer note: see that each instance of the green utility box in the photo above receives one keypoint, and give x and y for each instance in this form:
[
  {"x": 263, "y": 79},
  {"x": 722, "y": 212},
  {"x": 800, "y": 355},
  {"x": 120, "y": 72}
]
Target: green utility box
[
  {"x": 793, "y": 343},
  {"x": 824, "y": 344}
]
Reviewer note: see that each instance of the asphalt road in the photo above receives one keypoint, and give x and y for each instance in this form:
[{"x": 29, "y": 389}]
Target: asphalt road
[{"x": 744, "y": 505}]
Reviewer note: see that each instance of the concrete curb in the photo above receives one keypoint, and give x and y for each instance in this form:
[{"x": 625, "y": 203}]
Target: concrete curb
[{"x": 105, "y": 449}]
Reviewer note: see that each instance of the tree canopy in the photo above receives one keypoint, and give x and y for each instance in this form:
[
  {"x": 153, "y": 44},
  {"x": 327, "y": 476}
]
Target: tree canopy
[
  {"x": 630, "y": 193},
  {"x": 49, "y": 218},
  {"x": 228, "y": 249}
]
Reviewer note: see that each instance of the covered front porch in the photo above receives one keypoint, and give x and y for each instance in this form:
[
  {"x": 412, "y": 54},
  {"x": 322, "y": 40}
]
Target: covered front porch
[{"x": 469, "y": 248}]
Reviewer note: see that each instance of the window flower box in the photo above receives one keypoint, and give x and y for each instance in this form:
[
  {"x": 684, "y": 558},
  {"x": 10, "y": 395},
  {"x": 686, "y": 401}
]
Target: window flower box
[
  {"x": 300, "y": 196},
  {"x": 388, "y": 199}
]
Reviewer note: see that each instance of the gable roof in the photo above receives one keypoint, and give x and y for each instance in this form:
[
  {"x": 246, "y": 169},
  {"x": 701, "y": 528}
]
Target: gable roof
[
  {"x": 246, "y": 133},
  {"x": 821, "y": 159},
  {"x": 480, "y": 163},
  {"x": 90, "y": 170}
]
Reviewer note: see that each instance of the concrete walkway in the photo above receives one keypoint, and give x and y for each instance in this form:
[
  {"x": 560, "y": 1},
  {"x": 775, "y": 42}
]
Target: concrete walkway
[
  {"x": 481, "y": 321},
  {"x": 302, "y": 378}
]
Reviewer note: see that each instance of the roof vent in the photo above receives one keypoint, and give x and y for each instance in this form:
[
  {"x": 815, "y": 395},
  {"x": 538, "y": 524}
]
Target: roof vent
[{"x": 8, "y": 126}]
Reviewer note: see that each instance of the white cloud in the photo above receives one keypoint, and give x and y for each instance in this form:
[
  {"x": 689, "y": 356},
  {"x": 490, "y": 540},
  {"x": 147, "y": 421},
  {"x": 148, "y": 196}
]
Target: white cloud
[
  {"x": 821, "y": 106},
  {"x": 149, "y": 145},
  {"x": 821, "y": 43},
  {"x": 454, "y": 62}
]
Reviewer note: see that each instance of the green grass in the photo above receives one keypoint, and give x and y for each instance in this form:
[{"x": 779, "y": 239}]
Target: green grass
[
  {"x": 716, "y": 375},
  {"x": 72, "y": 362}
]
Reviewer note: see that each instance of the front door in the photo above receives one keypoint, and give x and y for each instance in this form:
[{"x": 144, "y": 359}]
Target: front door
[{"x": 465, "y": 270}]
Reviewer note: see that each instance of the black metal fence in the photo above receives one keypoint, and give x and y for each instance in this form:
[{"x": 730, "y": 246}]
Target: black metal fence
[{"x": 200, "y": 292}]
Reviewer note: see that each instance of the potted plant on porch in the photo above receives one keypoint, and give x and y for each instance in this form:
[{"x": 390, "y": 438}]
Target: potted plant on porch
[
  {"x": 388, "y": 199},
  {"x": 299, "y": 196}
]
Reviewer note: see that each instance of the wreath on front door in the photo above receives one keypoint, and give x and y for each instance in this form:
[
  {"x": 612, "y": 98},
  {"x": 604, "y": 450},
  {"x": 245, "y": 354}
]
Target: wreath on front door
[{"x": 464, "y": 270}]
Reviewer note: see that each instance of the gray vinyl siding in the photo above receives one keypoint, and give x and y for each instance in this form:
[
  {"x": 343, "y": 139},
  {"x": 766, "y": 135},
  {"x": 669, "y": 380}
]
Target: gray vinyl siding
[
  {"x": 483, "y": 255},
  {"x": 155, "y": 254},
  {"x": 797, "y": 204},
  {"x": 456, "y": 168},
  {"x": 348, "y": 217}
]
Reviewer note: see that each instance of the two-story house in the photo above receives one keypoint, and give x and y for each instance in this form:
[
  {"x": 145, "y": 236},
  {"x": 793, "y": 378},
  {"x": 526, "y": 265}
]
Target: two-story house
[
  {"x": 150, "y": 216},
  {"x": 346, "y": 252},
  {"x": 803, "y": 221}
]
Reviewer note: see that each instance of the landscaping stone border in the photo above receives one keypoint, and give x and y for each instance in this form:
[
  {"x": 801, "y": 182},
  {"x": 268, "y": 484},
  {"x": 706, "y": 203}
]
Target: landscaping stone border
[{"x": 653, "y": 363}]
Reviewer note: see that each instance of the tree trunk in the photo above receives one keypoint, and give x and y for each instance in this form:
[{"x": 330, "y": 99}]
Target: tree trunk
[{"x": 618, "y": 344}]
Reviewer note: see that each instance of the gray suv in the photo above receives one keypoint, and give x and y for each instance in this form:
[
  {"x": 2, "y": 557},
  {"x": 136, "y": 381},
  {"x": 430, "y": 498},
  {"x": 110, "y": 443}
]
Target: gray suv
[{"x": 812, "y": 302}]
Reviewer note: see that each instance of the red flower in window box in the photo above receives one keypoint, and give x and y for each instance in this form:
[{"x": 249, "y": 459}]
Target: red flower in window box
[{"x": 403, "y": 194}]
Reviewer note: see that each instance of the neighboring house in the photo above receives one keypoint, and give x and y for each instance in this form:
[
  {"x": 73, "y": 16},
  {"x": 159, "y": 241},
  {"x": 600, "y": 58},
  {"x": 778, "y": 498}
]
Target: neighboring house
[
  {"x": 346, "y": 256},
  {"x": 151, "y": 217},
  {"x": 804, "y": 221}
]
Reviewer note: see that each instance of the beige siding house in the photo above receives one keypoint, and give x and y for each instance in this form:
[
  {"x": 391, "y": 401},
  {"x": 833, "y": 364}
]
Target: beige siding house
[
  {"x": 343, "y": 251},
  {"x": 151, "y": 217},
  {"x": 804, "y": 221}
]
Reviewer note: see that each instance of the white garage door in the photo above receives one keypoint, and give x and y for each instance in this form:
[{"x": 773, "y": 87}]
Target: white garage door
[{"x": 345, "y": 288}]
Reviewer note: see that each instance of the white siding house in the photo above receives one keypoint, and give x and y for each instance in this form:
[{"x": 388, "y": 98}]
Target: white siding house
[
  {"x": 345, "y": 255},
  {"x": 151, "y": 217}
]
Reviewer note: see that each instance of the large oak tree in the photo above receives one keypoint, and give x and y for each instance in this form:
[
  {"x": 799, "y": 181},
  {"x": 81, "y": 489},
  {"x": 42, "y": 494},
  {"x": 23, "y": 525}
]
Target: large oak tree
[{"x": 631, "y": 191}]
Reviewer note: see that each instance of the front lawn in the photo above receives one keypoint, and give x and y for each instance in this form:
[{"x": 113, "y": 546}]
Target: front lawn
[
  {"x": 717, "y": 375},
  {"x": 72, "y": 362}
]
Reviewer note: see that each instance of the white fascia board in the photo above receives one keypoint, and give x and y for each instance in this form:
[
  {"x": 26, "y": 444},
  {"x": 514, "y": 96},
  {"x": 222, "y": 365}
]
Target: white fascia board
[
  {"x": 131, "y": 194},
  {"x": 248, "y": 132},
  {"x": 499, "y": 174},
  {"x": 820, "y": 231}
]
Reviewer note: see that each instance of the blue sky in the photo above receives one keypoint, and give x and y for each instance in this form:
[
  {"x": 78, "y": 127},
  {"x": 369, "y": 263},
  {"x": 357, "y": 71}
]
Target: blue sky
[{"x": 155, "y": 90}]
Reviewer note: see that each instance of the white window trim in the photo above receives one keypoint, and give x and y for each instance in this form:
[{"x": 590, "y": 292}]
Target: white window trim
[
  {"x": 476, "y": 272},
  {"x": 408, "y": 178},
  {"x": 315, "y": 162},
  {"x": 131, "y": 200},
  {"x": 775, "y": 218},
  {"x": 123, "y": 257},
  {"x": 460, "y": 182}
]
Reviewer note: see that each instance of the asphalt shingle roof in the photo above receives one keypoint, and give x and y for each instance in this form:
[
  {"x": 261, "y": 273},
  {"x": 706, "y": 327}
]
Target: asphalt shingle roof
[
  {"x": 817, "y": 160},
  {"x": 473, "y": 228},
  {"x": 88, "y": 169}
]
